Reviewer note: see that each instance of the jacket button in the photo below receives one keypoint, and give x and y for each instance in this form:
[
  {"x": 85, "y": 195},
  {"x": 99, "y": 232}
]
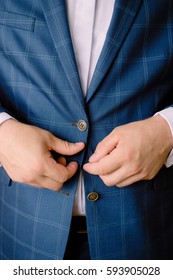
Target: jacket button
[
  {"x": 82, "y": 125},
  {"x": 93, "y": 196}
]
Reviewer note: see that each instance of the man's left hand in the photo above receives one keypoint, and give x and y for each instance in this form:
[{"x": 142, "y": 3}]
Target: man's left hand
[{"x": 132, "y": 152}]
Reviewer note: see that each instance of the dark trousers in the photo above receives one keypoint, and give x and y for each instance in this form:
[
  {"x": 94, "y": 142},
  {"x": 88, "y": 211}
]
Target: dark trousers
[{"x": 77, "y": 246}]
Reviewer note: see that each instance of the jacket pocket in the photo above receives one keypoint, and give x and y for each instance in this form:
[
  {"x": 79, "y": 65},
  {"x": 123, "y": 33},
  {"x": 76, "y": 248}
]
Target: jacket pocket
[{"x": 15, "y": 20}]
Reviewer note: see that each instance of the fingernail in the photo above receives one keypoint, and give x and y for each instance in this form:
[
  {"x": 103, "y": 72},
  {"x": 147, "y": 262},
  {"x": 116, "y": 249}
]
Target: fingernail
[{"x": 73, "y": 164}]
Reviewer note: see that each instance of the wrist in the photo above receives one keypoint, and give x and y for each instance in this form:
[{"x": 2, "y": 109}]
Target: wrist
[{"x": 163, "y": 131}]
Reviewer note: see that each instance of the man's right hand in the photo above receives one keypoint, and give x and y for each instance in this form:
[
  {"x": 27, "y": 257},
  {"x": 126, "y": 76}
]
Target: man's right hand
[{"x": 25, "y": 154}]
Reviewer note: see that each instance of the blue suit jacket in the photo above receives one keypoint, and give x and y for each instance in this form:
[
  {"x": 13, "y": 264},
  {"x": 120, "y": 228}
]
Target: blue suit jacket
[{"x": 40, "y": 85}]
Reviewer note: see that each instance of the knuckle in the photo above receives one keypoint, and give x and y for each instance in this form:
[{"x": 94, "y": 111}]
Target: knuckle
[
  {"x": 38, "y": 167},
  {"x": 107, "y": 181},
  {"x": 128, "y": 157},
  {"x": 135, "y": 169},
  {"x": 147, "y": 175}
]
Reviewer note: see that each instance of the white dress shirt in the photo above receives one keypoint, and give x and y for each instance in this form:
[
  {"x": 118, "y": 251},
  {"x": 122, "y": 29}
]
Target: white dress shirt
[{"x": 89, "y": 21}]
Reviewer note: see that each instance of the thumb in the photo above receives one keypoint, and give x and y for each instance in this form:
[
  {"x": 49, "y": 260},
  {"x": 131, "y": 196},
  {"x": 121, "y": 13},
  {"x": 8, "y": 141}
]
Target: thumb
[
  {"x": 107, "y": 145},
  {"x": 66, "y": 148}
]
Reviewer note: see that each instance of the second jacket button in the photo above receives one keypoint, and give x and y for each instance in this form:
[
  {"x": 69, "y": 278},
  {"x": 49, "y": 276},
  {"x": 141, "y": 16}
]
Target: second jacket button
[{"x": 93, "y": 196}]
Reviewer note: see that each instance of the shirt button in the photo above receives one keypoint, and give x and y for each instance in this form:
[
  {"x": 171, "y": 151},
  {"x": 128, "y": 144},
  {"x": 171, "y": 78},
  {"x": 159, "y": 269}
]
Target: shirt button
[
  {"x": 93, "y": 196},
  {"x": 82, "y": 125}
]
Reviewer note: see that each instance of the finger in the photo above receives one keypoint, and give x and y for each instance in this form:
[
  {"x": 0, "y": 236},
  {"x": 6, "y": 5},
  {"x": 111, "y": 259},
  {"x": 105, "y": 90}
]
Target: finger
[
  {"x": 43, "y": 182},
  {"x": 56, "y": 179},
  {"x": 72, "y": 167},
  {"x": 59, "y": 172},
  {"x": 104, "y": 147},
  {"x": 104, "y": 166},
  {"x": 64, "y": 147},
  {"x": 118, "y": 183},
  {"x": 121, "y": 178},
  {"x": 62, "y": 161},
  {"x": 47, "y": 183}
]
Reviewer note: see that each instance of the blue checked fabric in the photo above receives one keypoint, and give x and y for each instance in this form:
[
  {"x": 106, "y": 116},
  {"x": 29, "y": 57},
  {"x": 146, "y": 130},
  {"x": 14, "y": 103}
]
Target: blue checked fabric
[{"x": 40, "y": 85}]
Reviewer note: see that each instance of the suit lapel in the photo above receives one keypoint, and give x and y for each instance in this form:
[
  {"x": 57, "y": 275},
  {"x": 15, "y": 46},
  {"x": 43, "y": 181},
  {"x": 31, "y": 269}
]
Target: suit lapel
[
  {"x": 122, "y": 19},
  {"x": 56, "y": 17}
]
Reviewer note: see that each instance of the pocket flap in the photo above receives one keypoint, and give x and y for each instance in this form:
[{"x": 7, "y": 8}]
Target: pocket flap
[{"x": 17, "y": 20}]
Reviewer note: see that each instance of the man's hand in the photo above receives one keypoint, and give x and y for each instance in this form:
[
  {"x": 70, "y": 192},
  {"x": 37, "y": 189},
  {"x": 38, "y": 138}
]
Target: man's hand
[
  {"x": 25, "y": 154},
  {"x": 132, "y": 152}
]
